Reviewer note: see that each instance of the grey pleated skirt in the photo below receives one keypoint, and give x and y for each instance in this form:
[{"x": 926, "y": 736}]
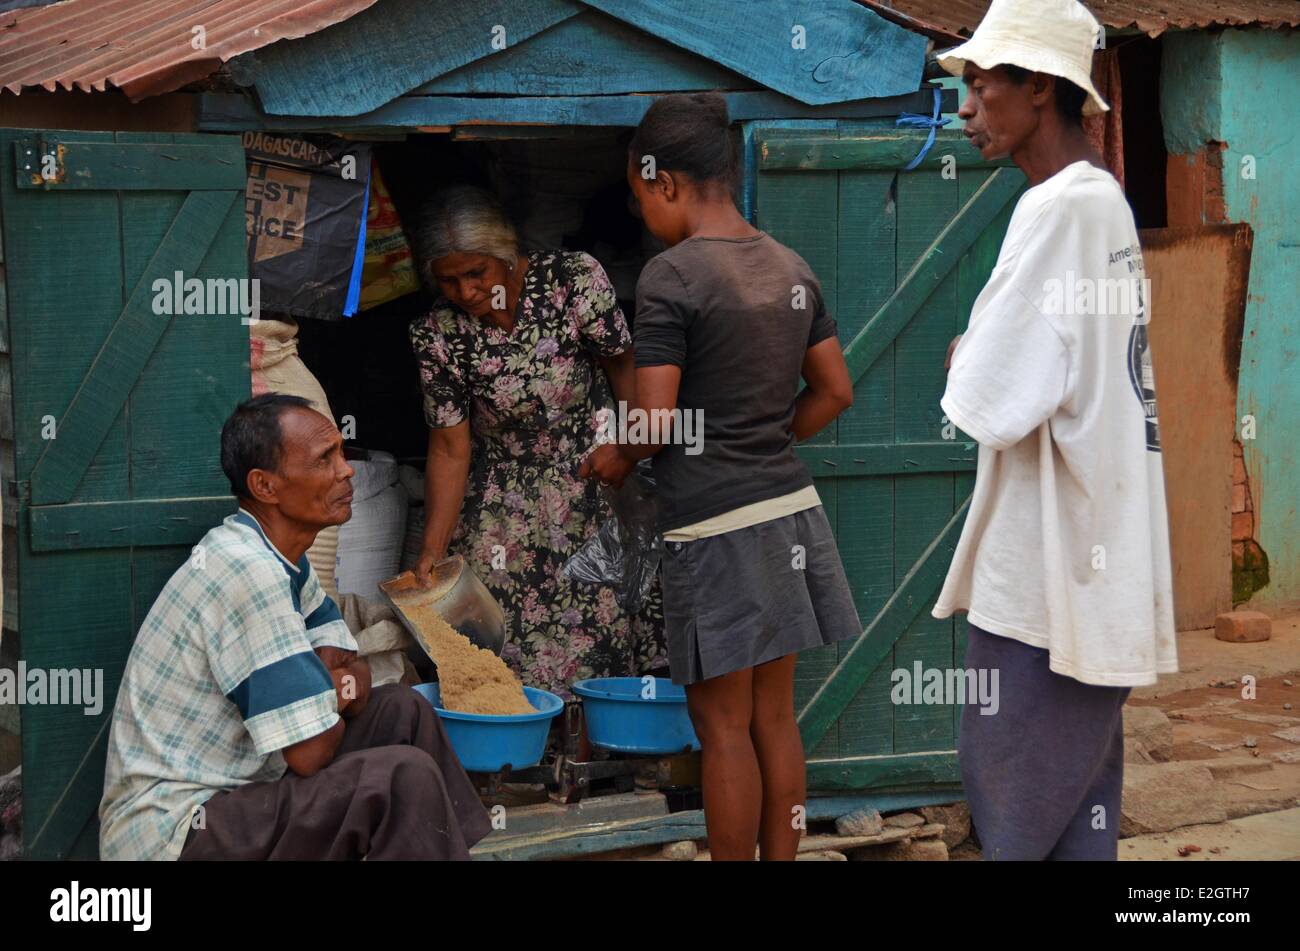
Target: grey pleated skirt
[{"x": 746, "y": 597}]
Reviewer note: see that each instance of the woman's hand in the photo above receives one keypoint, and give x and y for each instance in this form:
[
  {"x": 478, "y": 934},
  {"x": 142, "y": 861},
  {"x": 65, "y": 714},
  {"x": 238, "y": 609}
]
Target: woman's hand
[
  {"x": 606, "y": 464},
  {"x": 423, "y": 569}
]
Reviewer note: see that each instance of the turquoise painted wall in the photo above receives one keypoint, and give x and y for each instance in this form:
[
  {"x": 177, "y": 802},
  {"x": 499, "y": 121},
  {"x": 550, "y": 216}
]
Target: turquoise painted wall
[{"x": 1239, "y": 87}]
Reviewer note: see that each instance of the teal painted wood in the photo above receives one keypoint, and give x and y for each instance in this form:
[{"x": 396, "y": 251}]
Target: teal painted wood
[
  {"x": 849, "y": 52},
  {"x": 930, "y": 270},
  {"x": 877, "y": 149},
  {"x": 896, "y": 468},
  {"x": 802, "y": 212},
  {"x": 824, "y": 808},
  {"x": 179, "y": 400},
  {"x": 90, "y": 415},
  {"x": 862, "y": 459},
  {"x": 116, "y": 166},
  {"x": 846, "y": 52},
  {"x": 915, "y": 590},
  {"x": 229, "y": 112},
  {"x": 866, "y": 530},
  {"x": 81, "y": 608},
  {"x": 924, "y": 504},
  {"x": 38, "y": 234},
  {"x": 382, "y": 52},
  {"x": 139, "y": 522},
  {"x": 866, "y": 772},
  {"x": 590, "y": 54},
  {"x": 1232, "y": 87}
]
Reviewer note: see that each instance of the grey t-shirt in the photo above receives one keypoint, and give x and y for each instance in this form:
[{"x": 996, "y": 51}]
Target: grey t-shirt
[{"x": 737, "y": 316}]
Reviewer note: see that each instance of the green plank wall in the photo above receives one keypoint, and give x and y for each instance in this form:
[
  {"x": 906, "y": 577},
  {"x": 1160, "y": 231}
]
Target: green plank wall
[
  {"x": 73, "y": 257},
  {"x": 862, "y": 230}
]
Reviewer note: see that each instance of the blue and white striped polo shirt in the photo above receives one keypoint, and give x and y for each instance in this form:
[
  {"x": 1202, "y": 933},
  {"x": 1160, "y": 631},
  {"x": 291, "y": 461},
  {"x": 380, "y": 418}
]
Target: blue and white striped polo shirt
[{"x": 222, "y": 677}]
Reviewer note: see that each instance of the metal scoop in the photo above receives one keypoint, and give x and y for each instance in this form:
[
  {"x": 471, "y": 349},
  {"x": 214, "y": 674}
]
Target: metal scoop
[{"x": 458, "y": 596}]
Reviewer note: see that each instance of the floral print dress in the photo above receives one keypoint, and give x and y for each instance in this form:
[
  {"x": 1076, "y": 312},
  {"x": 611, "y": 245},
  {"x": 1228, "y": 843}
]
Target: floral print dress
[{"x": 531, "y": 396}]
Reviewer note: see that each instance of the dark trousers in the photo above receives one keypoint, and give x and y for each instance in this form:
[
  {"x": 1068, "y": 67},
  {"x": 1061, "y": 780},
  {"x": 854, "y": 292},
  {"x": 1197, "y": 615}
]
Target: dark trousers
[
  {"x": 394, "y": 790},
  {"x": 1044, "y": 775}
]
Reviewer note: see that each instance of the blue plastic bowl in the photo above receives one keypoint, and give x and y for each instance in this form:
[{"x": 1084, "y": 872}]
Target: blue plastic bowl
[
  {"x": 488, "y": 744},
  {"x": 619, "y": 718}
]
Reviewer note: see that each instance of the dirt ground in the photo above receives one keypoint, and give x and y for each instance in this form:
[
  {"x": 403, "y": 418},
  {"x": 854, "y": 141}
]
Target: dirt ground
[{"x": 1250, "y": 742}]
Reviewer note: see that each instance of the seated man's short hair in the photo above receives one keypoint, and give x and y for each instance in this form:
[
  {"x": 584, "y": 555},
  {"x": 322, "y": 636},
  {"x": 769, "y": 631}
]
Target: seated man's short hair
[{"x": 251, "y": 438}]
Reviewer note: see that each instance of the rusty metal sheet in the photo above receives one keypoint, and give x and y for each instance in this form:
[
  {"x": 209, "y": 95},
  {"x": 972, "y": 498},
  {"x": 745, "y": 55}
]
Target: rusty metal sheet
[
  {"x": 1199, "y": 278},
  {"x": 951, "y": 21},
  {"x": 147, "y": 47}
]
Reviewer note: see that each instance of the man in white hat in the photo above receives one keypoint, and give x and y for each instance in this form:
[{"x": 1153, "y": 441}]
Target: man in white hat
[{"x": 1063, "y": 563}]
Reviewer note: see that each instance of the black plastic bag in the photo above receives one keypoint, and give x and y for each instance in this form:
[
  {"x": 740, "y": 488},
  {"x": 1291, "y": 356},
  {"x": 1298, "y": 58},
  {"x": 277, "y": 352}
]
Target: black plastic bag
[{"x": 624, "y": 552}]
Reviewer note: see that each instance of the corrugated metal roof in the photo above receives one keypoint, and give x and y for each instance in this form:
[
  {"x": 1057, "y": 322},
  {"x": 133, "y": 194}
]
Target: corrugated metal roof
[
  {"x": 953, "y": 20},
  {"x": 144, "y": 47}
]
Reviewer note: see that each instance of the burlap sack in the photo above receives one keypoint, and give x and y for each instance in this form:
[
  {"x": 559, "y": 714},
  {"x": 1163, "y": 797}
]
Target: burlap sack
[{"x": 277, "y": 368}]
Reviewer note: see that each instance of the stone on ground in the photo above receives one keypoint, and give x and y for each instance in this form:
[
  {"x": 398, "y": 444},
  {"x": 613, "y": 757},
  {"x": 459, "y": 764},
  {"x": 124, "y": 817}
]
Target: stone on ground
[
  {"x": 864, "y": 821},
  {"x": 1148, "y": 735},
  {"x": 955, "y": 819},
  {"x": 1164, "y": 796}
]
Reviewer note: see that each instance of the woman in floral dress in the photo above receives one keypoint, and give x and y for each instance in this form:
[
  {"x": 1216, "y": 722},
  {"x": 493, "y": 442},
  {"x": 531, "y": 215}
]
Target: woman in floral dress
[{"x": 510, "y": 363}]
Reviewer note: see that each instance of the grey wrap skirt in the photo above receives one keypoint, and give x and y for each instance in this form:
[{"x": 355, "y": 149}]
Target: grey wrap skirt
[{"x": 748, "y": 596}]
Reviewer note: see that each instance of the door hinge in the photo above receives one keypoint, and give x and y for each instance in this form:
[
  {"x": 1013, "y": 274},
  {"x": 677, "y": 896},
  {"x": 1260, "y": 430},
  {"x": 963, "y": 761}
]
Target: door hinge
[{"x": 40, "y": 162}]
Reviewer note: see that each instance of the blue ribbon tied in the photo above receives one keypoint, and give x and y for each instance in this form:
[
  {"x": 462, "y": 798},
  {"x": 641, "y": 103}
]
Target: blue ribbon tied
[{"x": 914, "y": 121}]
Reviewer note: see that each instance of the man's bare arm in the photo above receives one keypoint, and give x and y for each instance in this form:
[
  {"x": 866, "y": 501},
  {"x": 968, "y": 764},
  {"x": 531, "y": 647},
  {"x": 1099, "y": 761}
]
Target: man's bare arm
[{"x": 310, "y": 756}]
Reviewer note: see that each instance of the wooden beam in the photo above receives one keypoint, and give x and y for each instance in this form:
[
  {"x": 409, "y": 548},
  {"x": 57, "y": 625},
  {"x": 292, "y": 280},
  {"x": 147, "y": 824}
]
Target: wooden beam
[
  {"x": 863, "y": 772},
  {"x": 831, "y": 462},
  {"x": 63, "y": 823},
  {"x": 930, "y": 269},
  {"x": 142, "y": 522},
  {"x": 130, "y": 343},
  {"x": 907, "y": 601},
  {"x": 594, "y": 839},
  {"x": 546, "y": 818},
  {"x": 119, "y": 166},
  {"x": 822, "y": 808},
  {"x": 885, "y": 150},
  {"x": 232, "y": 112}
]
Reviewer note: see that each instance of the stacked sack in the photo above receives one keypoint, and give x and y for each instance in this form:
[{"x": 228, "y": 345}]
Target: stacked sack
[
  {"x": 370, "y": 543},
  {"x": 413, "y": 481},
  {"x": 277, "y": 368}
]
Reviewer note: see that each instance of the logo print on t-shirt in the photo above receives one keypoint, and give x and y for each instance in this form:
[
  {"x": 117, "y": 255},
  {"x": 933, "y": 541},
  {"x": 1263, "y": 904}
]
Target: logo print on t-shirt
[{"x": 1140, "y": 375}]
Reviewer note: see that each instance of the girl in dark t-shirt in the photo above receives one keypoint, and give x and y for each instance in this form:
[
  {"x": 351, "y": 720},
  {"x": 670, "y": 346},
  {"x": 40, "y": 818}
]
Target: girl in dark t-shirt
[{"x": 728, "y": 322}]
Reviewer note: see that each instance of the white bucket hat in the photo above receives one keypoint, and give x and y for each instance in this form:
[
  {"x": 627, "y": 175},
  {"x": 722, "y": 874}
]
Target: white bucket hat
[{"x": 1056, "y": 37}]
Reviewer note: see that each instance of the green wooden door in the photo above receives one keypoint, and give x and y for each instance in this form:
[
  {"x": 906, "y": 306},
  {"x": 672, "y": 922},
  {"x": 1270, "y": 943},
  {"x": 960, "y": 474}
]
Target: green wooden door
[
  {"x": 117, "y": 410},
  {"x": 901, "y": 257}
]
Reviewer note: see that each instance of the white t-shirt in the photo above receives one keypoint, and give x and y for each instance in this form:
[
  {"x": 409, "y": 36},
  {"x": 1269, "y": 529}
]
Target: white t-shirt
[{"x": 1066, "y": 544}]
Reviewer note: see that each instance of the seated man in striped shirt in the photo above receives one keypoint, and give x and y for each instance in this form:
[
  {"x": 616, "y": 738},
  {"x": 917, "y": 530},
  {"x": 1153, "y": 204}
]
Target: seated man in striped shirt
[{"x": 245, "y": 726}]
